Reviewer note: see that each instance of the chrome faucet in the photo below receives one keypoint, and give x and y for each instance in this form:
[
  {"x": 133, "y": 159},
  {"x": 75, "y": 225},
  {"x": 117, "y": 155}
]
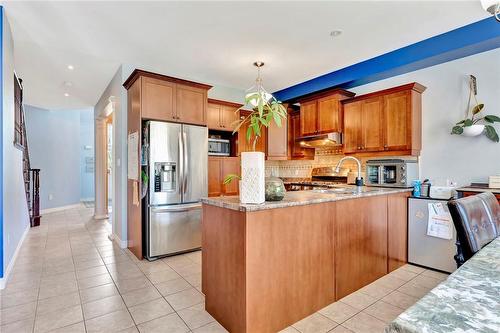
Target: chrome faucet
[{"x": 359, "y": 179}]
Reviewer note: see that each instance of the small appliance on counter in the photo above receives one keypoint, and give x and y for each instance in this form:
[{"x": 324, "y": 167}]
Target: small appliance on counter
[
  {"x": 219, "y": 147},
  {"x": 391, "y": 172}
]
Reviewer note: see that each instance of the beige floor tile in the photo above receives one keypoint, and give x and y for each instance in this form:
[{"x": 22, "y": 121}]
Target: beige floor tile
[
  {"x": 194, "y": 256},
  {"x": 400, "y": 300},
  {"x": 92, "y": 271},
  {"x": 171, "y": 323},
  {"x": 21, "y": 326},
  {"x": 177, "y": 261},
  {"x": 194, "y": 280},
  {"x": 150, "y": 310},
  {"x": 18, "y": 312},
  {"x": 162, "y": 276},
  {"x": 94, "y": 281},
  {"x": 173, "y": 286},
  {"x": 185, "y": 299},
  {"x": 213, "y": 327},
  {"x": 339, "y": 312},
  {"x": 390, "y": 282},
  {"x": 151, "y": 267},
  {"x": 19, "y": 298},
  {"x": 413, "y": 268},
  {"x": 58, "y": 302},
  {"x": 127, "y": 285},
  {"x": 289, "y": 329},
  {"x": 436, "y": 275},
  {"x": 58, "y": 318},
  {"x": 383, "y": 311},
  {"x": 190, "y": 269},
  {"x": 403, "y": 274},
  {"x": 196, "y": 316},
  {"x": 358, "y": 300},
  {"x": 340, "y": 329},
  {"x": 103, "y": 306},
  {"x": 132, "y": 329},
  {"x": 139, "y": 296},
  {"x": 75, "y": 328},
  {"x": 95, "y": 293},
  {"x": 315, "y": 323},
  {"x": 111, "y": 322},
  {"x": 88, "y": 264},
  {"x": 426, "y": 281},
  {"x": 414, "y": 290},
  {"x": 376, "y": 290},
  {"x": 364, "y": 323}
]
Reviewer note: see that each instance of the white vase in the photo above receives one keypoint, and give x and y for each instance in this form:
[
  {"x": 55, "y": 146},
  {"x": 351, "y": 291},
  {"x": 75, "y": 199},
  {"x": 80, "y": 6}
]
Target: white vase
[
  {"x": 252, "y": 186},
  {"x": 473, "y": 130}
]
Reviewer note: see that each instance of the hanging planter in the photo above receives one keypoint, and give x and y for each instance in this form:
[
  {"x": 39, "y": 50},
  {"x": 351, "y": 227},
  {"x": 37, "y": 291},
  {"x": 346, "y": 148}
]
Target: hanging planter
[
  {"x": 476, "y": 125},
  {"x": 266, "y": 109}
]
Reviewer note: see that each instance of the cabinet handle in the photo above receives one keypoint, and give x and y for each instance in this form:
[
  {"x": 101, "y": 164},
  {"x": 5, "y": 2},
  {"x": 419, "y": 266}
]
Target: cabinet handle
[
  {"x": 359, "y": 147},
  {"x": 386, "y": 146}
]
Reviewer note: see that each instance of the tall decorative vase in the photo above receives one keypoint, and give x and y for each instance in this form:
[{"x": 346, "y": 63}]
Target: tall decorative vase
[{"x": 252, "y": 186}]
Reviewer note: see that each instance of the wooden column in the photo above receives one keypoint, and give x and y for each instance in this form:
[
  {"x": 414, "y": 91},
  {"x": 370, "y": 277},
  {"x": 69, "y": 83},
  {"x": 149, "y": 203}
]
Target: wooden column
[{"x": 100, "y": 170}]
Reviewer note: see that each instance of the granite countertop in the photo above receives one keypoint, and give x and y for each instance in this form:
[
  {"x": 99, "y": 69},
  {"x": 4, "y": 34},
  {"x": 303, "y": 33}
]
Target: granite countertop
[
  {"x": 300, "y": 198},
  {"x": 479, "y": 189},
  {"x": 468, "y": 301}
]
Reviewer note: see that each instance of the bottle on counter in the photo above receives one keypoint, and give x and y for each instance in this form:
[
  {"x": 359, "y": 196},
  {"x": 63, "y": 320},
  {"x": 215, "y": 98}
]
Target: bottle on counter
[{"x": 417, "y": 187}]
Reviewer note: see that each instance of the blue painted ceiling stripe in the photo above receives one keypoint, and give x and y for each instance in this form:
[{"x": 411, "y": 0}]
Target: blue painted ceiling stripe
[{"x": 474, "y": 38}]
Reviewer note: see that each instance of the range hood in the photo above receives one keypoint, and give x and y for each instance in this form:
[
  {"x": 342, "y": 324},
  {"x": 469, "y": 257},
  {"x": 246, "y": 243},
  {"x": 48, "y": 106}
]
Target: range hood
[{"x": 327, "y": 140}]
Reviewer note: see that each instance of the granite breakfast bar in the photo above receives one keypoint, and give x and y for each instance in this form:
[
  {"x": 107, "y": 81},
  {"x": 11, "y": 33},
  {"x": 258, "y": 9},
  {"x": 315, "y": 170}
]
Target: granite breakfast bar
[{"x": 268, "y": 266}]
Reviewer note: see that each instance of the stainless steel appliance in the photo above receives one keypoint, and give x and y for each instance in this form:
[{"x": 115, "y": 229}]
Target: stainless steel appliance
[
  {"x": 424, "y": 250},
  {"x": 219, "y": 147},
  {"x": 323, "y": 177},
  {"x": 177, "y": 170},
  {"x": 391, "y": 172}
]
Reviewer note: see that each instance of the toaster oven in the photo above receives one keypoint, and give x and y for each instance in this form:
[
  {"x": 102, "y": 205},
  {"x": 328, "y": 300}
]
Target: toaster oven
[
  {"x": 219, "y": 147},
  {"x": 391, "y": 172}
]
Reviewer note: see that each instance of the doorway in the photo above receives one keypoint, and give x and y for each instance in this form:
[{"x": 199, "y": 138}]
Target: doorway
[{"x": 109, "y": 163}]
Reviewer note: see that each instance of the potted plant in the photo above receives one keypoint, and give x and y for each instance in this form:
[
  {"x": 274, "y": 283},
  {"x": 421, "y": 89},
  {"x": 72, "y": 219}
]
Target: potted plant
[
  {"x": 476, "y": 124},
  {"x": 266, "y": 110}
]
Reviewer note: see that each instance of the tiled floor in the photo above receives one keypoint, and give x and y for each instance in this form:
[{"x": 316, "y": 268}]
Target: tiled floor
[{"x": 69, "y": 277}]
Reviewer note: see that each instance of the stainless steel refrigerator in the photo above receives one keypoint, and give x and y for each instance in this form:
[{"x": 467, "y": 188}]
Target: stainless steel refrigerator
[{"x": 177, "y": 171}]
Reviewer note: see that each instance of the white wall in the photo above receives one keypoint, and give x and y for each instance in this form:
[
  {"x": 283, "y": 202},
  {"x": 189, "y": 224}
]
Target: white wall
[
  {"x": 446, "y": 156},
  {"x": 15, "y": 208}
]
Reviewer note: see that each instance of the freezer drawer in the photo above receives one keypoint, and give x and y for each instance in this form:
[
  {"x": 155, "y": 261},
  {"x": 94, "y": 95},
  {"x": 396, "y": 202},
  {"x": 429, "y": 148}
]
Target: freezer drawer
[
  {"x": 174, "y": 229},
  {"x": 428, "y": 251}
]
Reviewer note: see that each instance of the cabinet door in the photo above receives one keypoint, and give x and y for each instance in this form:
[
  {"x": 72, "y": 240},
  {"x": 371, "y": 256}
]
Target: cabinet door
[
  {"x": 371, "y": 125},
  {"x": 158, "y": 99},
  {"x": 244, "y": 145},
  {"x": 360, "y": 243},
  {"x": 308, "y": 118},
  {"x": 229, "y": 115},
  {"x": 352, "y": 127},
  {"x": 214, "y": 176},
  {"x": 397, "y": 121},
  {"x": 329, "y": 115},
  {"x": 296, "y": 151},
  {"x": 277, "y": 141},
  {"x": 214, "y": 116},
  {"x": 230, "y": 165},
  {"x": 191, "y": 105},
  {"x": 397, "y": 233}
]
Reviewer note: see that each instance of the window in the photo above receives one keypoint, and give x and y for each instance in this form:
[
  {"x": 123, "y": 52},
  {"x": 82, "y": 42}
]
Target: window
[{"x": 19, "y": 139}]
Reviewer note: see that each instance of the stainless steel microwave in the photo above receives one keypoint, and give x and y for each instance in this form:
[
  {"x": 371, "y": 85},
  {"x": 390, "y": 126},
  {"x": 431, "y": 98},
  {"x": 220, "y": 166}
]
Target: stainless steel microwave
[
  {"x": 391, "y": 172},
  {"x": 219, "y": 147}
]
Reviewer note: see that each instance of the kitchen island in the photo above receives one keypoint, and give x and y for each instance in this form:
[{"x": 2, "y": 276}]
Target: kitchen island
[
  {"x": 468, "y": 301},
  {"x": 268, "y": 266}
]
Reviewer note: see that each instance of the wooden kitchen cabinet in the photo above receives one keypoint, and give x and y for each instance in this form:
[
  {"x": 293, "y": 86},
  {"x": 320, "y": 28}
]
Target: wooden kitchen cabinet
[
  {"x": 360, "y": 243},
  {"x": 158, "y": 99},
  {"x": 247, "y": 145},
  {"x": 277, "y": 141},
  {"x": 397, "y": 230},
  {"x": 191, "y": 104},
  {"x": 386, "y": 122},
  {"x": 322, "y": 113},
  {"x": 222, "y": 115},
  {"x": 295, "y": 150},
  {"x": 218, "y": 169}
]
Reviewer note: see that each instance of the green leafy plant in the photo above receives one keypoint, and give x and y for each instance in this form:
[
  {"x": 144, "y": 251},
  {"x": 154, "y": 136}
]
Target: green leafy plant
[
  {"x": 475, "y": 117},
  {"x": 265, "y": 111}
]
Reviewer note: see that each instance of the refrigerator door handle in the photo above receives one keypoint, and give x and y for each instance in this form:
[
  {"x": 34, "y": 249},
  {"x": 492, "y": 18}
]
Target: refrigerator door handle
[
  {"x": 181, "y": 165},
  {"x": 186, "y": 161},
  {"x": 176, "y": 208}
]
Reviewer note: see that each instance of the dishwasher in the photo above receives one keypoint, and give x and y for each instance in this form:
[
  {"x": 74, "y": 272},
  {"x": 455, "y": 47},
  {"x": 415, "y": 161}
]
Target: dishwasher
[{"x": 424, "y": 250}]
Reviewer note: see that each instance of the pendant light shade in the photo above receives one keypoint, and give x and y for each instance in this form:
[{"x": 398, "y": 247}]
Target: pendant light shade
[{"x": 257, "y": 88}]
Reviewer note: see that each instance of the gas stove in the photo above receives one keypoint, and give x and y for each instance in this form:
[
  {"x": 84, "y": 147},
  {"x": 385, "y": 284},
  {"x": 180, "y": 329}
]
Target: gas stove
[{"x": 321, "y": 178}]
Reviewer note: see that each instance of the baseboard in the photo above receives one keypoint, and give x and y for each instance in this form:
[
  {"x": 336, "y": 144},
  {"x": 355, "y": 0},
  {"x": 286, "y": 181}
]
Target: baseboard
[
  {"x": 122, "y": 244},
  {"x": 101, "y": 217},
  {"x": 87, "y": 199},
  {"x": 3, "y": 281},
  {"x": 60, "y": 208}
]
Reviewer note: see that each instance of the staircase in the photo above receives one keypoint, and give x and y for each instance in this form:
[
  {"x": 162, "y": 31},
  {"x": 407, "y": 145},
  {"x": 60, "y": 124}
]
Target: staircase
[{"x": 31, "y": 176}]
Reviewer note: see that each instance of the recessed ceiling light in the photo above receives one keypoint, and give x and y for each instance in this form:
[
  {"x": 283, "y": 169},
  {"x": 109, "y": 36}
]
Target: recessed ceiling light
[
  {"x": 335, "y": 33},
  {"x": 66, "y": 94},
  {"x": 70, "y": 67},
  {"x": 68, "y": 84}
]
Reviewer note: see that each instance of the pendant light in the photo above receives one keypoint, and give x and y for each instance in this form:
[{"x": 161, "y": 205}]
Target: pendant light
[
  {"x": 258, "y": 88},
  {"x": 493, "y": 7}
]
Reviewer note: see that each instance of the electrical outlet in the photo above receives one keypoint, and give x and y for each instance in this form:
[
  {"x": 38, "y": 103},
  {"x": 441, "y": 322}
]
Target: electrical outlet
[{"x": 51, "y": 197}]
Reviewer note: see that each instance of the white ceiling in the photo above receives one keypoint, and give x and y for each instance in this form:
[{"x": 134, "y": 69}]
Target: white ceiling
[{"x": 210, "y": 42}]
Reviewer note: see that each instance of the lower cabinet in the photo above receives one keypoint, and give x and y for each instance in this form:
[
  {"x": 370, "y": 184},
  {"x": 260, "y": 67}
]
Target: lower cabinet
[
  {"x": 397, "y": 230},
  {"x": 218, "y": 169}
]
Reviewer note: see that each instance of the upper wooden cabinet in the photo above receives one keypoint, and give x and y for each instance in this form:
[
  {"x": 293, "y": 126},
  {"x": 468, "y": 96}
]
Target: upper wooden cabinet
[
  {"x": 295, "y": 150},
  {"x": 221, "y": 115},
  {"x": 247, "y": 145},
  {"x": 170, "y": 99},
  {"x": 322, "y": 113},
  {"x": 277, "y": 141},
  {"x": 387, "y": 122}
]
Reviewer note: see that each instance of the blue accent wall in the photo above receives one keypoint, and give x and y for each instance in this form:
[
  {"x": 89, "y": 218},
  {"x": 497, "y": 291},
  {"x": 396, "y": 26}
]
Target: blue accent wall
[
  {"x": 474, "y": 38},
  {"x": 1, "y": 143}
]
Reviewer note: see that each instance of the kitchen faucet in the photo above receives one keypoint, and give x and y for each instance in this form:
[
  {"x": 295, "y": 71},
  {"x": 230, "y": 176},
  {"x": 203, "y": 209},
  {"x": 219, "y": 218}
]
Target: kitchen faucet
[{"x": 359, "y": 179}]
